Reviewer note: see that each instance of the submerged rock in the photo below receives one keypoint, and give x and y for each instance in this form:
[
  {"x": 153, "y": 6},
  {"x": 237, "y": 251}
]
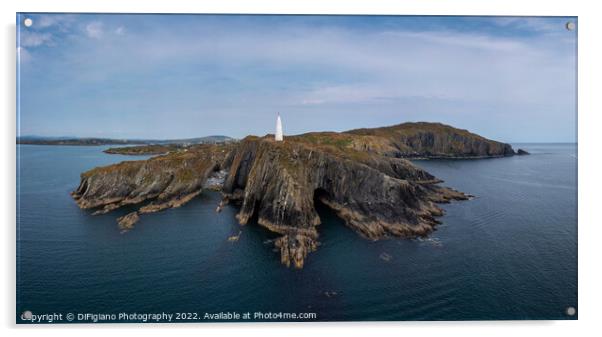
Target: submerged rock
[
  {"x": 361, "y": 175},
  {"x": 234, "y": 238},
  {"x": 385, "y": 257}
]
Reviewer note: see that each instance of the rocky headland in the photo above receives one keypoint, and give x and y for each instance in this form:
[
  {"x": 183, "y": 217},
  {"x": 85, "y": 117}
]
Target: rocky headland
[
  {"x": 362, "y": 175},
  {"x": 432, "y": 140}
]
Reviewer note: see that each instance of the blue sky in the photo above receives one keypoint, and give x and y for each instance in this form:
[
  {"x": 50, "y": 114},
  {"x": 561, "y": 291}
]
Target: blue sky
[{"x": 174, "y": 76}]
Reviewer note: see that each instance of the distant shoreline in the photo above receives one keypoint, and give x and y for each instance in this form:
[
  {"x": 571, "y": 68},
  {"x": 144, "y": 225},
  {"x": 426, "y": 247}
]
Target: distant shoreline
[
  {"x": 85, "y": 141},
  {"x": 110, "y": 141}
]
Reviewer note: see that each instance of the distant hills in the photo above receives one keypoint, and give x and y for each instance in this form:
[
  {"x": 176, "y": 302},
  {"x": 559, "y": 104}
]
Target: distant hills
[{"x": 90, "y": 141}]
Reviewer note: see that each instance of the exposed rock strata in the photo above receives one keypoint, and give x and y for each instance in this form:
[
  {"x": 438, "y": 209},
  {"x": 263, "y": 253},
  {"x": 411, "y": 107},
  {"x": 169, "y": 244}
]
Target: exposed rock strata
[
  {"x": 376, "y": 197},
  {"x": 156, "y": 184},
  {"x": 361, "y": 175}
]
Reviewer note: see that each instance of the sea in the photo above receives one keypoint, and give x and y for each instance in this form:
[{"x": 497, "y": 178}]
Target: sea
[{"x": 508, "y": 254}]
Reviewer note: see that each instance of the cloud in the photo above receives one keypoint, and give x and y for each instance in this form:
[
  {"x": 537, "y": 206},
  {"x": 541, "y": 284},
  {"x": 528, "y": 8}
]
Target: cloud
[
  {"x": 33, "y": 39},
  {"x": 348, "y": 93},
  {"x": 349, "y": 66},
  {"x": 237, "y": 67},
  {"x": 377, "y": 66},
  {"x": 94, "y": 30},
  {"x": 45, "y": 21},
  {"x": 540, "y": 25},
  {"x": 60, "y": 21},
  {"x": 464, "y": 40}
]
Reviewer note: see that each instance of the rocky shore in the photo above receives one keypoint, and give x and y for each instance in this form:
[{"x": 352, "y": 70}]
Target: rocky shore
[{"x": 362, "y": 175}]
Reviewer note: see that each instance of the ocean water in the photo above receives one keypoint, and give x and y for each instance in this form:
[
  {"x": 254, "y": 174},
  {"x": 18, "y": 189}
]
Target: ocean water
[{"x": 510, "y": 253}]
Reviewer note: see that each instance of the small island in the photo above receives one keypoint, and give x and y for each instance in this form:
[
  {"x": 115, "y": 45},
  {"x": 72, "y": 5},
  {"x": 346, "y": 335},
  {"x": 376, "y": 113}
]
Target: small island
[{"x": 363, "y": 175}]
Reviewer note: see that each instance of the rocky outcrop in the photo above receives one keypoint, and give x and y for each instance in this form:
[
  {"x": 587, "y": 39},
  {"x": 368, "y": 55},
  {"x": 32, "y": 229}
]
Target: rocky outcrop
[
  {"x": 280, "y": 182},
  {"x": 127, "y": 221},
  {"x": 361, "y": 175},
  {"x": 522, "y": 152},
  {"x": 156, "y": 184}
]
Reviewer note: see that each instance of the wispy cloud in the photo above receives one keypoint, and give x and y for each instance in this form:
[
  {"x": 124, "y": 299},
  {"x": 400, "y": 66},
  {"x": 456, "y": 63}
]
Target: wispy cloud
[
  {"x": 171, "y": 71},
  {"x": 537, "y": 24},
  {"x": 33, "y": 39},
  {"x": 59, "y": 22},
  {"x": 95, "y": 29},
  {"x": 464, "y": 40}
]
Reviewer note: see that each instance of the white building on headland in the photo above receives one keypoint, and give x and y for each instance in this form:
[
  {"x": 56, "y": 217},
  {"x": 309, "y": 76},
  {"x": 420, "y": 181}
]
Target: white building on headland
[{"x": 278, "y": 136}]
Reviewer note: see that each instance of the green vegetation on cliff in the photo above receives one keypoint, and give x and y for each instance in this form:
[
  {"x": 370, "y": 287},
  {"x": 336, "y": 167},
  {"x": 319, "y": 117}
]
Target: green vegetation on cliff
[{"x": 433, "y": 140}]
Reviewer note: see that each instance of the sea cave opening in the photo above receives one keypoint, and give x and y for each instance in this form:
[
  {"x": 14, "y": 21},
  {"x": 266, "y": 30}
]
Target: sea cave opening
[
  {"x": 327, "y": 215},
  {"x": 320, "y": 193}
]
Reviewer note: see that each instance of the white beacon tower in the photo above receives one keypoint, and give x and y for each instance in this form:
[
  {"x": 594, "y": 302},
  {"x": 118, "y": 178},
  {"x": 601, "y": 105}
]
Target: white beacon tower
[{"x": 278, "y": 137}]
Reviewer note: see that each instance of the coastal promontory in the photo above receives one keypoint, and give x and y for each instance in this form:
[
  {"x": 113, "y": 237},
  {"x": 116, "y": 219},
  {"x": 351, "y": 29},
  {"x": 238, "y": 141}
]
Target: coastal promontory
[{"x": 362, "y": 175}]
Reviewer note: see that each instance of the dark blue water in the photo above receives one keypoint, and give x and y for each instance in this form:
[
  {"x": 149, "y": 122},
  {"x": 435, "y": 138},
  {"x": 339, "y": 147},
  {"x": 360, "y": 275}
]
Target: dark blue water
[{"x": 511, "y": 253}]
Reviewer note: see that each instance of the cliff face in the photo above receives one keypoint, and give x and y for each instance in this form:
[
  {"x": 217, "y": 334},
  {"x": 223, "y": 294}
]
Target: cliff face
[
  {"x": 158, "y": 183},
  {"x": 279, "y": 182},
  {"x": 361, "y": 175},
  {"x": 434, "y": 140}
]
